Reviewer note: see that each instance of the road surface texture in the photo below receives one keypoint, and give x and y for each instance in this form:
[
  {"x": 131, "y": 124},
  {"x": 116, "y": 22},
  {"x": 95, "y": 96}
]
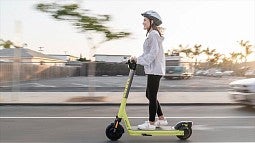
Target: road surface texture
[{"x": 86, "y": 124}]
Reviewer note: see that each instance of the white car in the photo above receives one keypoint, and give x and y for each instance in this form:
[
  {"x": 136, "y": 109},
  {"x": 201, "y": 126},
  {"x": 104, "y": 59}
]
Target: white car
[
  {"x": 228, "y": 73},
  {"x": 243, "y": 91},
  {"x": 250, "y": 73}
]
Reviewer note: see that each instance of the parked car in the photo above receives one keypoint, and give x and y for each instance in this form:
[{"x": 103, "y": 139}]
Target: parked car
[
  {"x": 214, "y": 72},
  {"x": 250, "y": 73},
  {"x": 200, "y": 73},
  {"x": 217, "y": 74},
  {"x": 228, "y": 73},
  {"x": 243, "y": 91}
]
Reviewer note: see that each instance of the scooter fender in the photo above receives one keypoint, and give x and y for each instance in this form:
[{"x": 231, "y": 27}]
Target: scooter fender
[{"x": 183, "y": 124}]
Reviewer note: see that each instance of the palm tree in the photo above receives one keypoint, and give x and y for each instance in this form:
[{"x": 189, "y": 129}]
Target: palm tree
[
  {"x": 216, "y": 58},
  {"x": 209, "y": 53},
  {"x": 196, "y": 51},
  {"x": 187, "y": 51},
  {"x": 226, "y": 63},
  {"x": 191, "y": 53},
  {"x": 247, "y": 48},
  {"x": 241, "y": 57},
  {"x": 235, "y": 56}
]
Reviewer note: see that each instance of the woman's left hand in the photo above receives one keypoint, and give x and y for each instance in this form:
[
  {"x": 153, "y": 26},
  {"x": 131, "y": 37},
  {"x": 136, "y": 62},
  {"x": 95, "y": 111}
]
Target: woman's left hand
[{"x": 133, "y": 59}]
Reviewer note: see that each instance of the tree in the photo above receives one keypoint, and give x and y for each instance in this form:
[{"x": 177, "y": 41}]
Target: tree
[
  {"x": 196, "y": 51},
  {"x": 83, "y": 20},
  {"x": 215, "y": 59},
  {"x": 6, "y": 44},
  {"x": 87, "y": 23},
  {"x": 187, "y": 51},
  {"x": 235, "y": 56},
  {"x": 247, "y": 48},
  {"x": 226, "y": 63},
  {"x": 209, "y": 53}
]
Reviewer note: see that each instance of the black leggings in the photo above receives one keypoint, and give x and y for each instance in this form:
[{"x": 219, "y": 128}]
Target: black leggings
[{"x": 151, "y": 94}]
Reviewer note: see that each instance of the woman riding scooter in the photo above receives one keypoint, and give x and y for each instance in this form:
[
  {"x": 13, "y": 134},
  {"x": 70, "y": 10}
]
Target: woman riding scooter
[{"x": 153, "y": 60}]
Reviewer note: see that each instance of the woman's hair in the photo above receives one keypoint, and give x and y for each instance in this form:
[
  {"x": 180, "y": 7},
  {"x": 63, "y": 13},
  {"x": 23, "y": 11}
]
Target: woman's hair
[{"x": 154, "y": 27}]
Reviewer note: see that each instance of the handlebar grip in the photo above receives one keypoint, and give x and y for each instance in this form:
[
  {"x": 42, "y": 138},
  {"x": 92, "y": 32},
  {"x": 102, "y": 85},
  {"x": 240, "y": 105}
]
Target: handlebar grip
[{"x": 131, "y": 64}]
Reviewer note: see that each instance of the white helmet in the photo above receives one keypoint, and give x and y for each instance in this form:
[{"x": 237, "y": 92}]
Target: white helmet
[{"x": 154, "y": 16}]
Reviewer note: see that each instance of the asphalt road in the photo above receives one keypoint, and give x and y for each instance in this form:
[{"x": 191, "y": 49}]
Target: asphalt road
[
  {"x": 117, "y": 83},
  {"x": 86, "y": 124}
]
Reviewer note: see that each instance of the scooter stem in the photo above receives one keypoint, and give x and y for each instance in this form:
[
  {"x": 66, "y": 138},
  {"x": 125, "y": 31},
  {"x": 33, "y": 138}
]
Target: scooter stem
[{"x": 132, "y": 67}]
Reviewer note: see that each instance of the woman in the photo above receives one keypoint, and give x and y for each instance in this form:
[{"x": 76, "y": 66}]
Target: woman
[{"x": 153, "y": 60}]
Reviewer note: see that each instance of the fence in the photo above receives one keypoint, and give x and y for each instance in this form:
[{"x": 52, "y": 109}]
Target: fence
[
  {"x": 23, "y": 72},
  {"x": 110, "y": 69},
  {"x": 11, "y": 72}
]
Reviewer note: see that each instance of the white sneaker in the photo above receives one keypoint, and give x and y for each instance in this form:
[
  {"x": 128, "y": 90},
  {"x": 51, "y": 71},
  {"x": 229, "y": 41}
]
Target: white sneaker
[
  {"x": 146, "y": 126},
  {"x": 160, "y": 123}
]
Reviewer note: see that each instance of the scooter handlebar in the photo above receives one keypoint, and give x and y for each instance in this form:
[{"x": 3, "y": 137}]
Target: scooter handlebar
[{"x": 131, "y": 64}]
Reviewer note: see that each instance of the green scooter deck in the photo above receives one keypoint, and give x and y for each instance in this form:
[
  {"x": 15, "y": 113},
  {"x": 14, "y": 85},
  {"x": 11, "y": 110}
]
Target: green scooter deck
[
  {"x": 164, "y": 128},
  {"x": 162, "y": 131}
]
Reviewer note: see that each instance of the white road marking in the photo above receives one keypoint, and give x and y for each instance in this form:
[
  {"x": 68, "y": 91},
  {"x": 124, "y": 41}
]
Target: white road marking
[
  {"x": 211, "y": 127},
  {"x": 33, "y": 84},
  {"x": 216, "y": 117},
  {"x": 78, "y": 84},
  {"x": 42, "y": 85},
  {"x": 85, "y": 85}
]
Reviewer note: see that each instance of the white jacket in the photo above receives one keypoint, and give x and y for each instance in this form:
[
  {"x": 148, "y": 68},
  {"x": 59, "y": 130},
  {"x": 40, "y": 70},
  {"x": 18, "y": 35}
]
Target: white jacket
[{"x": 153, "y": 57}]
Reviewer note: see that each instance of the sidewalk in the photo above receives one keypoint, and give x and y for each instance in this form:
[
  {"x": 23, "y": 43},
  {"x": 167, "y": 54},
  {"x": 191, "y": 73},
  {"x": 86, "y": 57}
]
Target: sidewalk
[{"x": 110, "y": 98}]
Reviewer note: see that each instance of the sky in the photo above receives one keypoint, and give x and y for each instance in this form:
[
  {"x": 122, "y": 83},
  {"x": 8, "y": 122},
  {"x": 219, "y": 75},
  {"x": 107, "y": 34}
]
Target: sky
[{"x": 217, "y": 24}]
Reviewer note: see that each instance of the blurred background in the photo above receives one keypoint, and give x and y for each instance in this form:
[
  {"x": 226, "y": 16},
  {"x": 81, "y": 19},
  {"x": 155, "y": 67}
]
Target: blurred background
[
  {"x": 88, "y": 40},
  {"x": 63, "y": 71}
]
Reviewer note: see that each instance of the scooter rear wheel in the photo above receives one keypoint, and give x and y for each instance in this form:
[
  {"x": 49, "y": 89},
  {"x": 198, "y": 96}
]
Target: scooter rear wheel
[
  {"x": 187, "y": 133},
  {"x": 113, "y": 134}
]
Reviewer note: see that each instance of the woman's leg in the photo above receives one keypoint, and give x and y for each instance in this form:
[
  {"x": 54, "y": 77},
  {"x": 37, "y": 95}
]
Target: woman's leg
[
  {"x": 151, "y": 94},
  {"x": 159, "y": 110}
]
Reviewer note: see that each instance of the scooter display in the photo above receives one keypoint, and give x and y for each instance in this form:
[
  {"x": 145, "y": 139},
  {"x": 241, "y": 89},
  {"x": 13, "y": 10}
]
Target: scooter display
[{"x": 114, "y": 131}]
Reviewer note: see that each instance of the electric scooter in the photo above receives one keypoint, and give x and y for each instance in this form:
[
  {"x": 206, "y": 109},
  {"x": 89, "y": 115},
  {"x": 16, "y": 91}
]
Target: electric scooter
[{"x": 115, "y": 130}]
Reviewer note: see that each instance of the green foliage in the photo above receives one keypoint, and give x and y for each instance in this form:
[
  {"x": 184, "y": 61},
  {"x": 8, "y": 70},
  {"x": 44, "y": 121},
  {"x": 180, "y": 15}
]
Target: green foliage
[
  {"x": 247, "y": 48},
  {"x": 6, "y": 44},
  {"x": 81, "y": 19}
]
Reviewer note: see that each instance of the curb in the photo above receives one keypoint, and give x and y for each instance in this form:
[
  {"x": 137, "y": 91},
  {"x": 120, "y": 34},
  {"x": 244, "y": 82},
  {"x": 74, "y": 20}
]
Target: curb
[{"x": 116, "y": 104}]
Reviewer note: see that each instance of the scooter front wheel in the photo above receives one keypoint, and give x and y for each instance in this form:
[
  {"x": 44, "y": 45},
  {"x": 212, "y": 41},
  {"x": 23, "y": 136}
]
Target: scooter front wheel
[
  {"x": 187, "y": 133},
  {"x": 114, "y": 133}
]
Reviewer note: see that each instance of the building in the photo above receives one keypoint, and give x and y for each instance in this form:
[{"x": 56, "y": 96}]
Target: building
[
  {"x": 24, "y": 55},
  {"x": 66, "y": 58},
  {"x": 111, "y": 58}
]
